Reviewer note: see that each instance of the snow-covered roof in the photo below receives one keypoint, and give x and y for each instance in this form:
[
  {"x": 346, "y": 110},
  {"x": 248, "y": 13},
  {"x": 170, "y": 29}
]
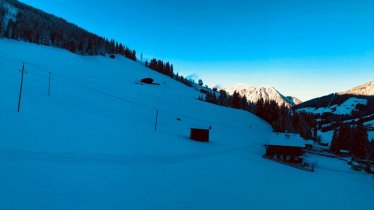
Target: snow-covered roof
[
  {"x": 354, "y": 163},
  {"x": 310, "y": 142},
  {"x": 283, "y": 140},
  {"x": 344, "y": 151}
]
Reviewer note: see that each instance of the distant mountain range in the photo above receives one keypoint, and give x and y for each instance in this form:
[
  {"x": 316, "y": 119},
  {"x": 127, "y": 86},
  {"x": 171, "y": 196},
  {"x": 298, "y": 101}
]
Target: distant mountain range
[
  {"x": 254, "y": 93},
  {"x": 355, "y": 102}
]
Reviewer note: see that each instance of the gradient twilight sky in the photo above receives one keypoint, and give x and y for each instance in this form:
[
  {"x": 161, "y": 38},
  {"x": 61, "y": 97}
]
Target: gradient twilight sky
[{"x": 302, "y": 48}]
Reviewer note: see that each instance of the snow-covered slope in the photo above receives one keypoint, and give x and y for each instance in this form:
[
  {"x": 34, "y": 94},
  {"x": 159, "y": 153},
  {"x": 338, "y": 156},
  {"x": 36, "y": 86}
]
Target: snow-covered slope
[
  {"x": 254, "y": 93},
  {"x": 366, "y": 89},
  {"x": 92, "y": 144},
  {"x": 345, "y": 108},
  {"x": 293, "y": 100}
]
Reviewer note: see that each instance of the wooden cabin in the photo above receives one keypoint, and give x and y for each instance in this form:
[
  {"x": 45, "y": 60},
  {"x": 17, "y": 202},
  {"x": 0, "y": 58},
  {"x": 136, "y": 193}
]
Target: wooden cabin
[
  {"x": 356, "y": 166},
  {"x": 289, "y": 150},
  {"x": 199, "y": 134},
  {"x": 147, "y": 80}
]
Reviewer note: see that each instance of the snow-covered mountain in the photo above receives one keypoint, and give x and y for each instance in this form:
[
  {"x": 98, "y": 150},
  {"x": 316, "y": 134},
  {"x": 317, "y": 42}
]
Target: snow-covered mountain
[
  {"x": 351, "y": 107},
  {"x": 293, "y": 100},
  {"x": 366, "y": 89},
  {"x": 345, "y": 108},
  {"x": 92, "y": 143},
  {"x": 254, "y": 93},
  {"x": 360, "y": 98}
]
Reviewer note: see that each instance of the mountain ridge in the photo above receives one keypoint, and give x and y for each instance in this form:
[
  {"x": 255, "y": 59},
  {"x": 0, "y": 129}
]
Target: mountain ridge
[
  {"x": 266, "y": 92},
  {"x": 366, "y": 89}
]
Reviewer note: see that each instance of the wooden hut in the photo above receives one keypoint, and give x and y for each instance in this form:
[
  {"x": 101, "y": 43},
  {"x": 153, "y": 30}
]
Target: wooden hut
[
  {"x": 289, "y": 150},
  {"x": 199, "y": 134},
  {"x": 147, "y": 80},
  {"x": 356, "y": 166}
]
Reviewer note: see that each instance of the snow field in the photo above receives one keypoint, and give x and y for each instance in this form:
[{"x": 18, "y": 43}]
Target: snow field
[{"x": 92, "y": 144}]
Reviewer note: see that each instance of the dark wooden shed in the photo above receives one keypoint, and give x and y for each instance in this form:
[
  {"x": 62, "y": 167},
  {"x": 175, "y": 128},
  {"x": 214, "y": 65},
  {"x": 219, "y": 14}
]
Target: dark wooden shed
[
  {"x": 199, "y": 134},
  {"x": 147, "y": 80}
]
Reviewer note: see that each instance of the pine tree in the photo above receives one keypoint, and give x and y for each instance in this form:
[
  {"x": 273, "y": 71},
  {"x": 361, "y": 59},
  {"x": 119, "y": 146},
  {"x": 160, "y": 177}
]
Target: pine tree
[
  {"x": 360, "y": 142},
  {"x": 244, "y": 102},
  {"x": 334, "y": 146},
  {"x": 222, "y": 99},
  {"x": 200, "y": 82},
  {"x": 260, "y": 108},
  {"x": 236, "y": 100}
]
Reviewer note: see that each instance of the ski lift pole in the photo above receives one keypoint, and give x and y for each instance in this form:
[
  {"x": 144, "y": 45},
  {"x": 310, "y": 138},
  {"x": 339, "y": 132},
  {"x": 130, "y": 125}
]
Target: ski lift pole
[
  {"x": 49, "y": 83},
  {"x": 21, "y": 85},
  {"x": 156, "y": 120}
]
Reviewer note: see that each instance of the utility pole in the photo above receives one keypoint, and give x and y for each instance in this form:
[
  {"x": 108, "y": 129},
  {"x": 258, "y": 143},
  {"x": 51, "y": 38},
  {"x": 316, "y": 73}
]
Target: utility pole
[
  {"x": 49, "y": 84},
  {"x": 20, "y": 89},
  {"x": 156, "y": 120}
]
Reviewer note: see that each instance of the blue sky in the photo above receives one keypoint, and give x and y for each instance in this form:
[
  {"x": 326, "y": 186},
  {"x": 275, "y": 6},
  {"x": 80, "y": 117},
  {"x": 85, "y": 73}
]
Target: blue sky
[{"x": 302, "y": 48}]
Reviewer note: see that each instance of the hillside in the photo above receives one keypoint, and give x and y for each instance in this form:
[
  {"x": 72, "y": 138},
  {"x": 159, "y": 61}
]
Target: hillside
[
  {"x": 346, "y": 104},
  {"x": 363, "y": 93},
  {"x": 349, "y": 107},
  {"x": 267, "y": 93},
  {"x": 21, "y": 22},
  {"x": 293, "y": 100},
  {"x": 92, "y": 144}
]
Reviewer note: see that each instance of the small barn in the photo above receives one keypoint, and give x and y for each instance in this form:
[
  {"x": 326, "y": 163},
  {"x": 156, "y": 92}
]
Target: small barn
[
  {"x": 356, "y": 166},
  {"x": 147, "y": 80},
  {"x": 289, "y": 150},
  {"x": 199, "y": 134}
]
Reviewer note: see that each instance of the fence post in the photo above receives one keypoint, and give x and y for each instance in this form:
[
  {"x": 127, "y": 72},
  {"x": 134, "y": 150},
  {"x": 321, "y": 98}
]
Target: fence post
[{"x": 156, "y": 120}]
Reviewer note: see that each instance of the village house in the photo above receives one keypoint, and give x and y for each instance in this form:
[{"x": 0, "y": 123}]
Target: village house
[{"x": 288, "y": 149}]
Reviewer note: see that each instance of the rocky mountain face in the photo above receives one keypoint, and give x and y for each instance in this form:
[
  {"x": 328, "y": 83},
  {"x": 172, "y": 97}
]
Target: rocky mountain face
[
  {"x": 366, "y": 89},
  {"x": 254, "y": 93}
]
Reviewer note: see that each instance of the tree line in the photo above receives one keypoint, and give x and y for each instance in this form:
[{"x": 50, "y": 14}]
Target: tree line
[
  {"x": 353, "y": 139},
  {"x": 35, "y": 26},
  {"x": 161, "y": 66},
  {"x": 281, "y": 118}
]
